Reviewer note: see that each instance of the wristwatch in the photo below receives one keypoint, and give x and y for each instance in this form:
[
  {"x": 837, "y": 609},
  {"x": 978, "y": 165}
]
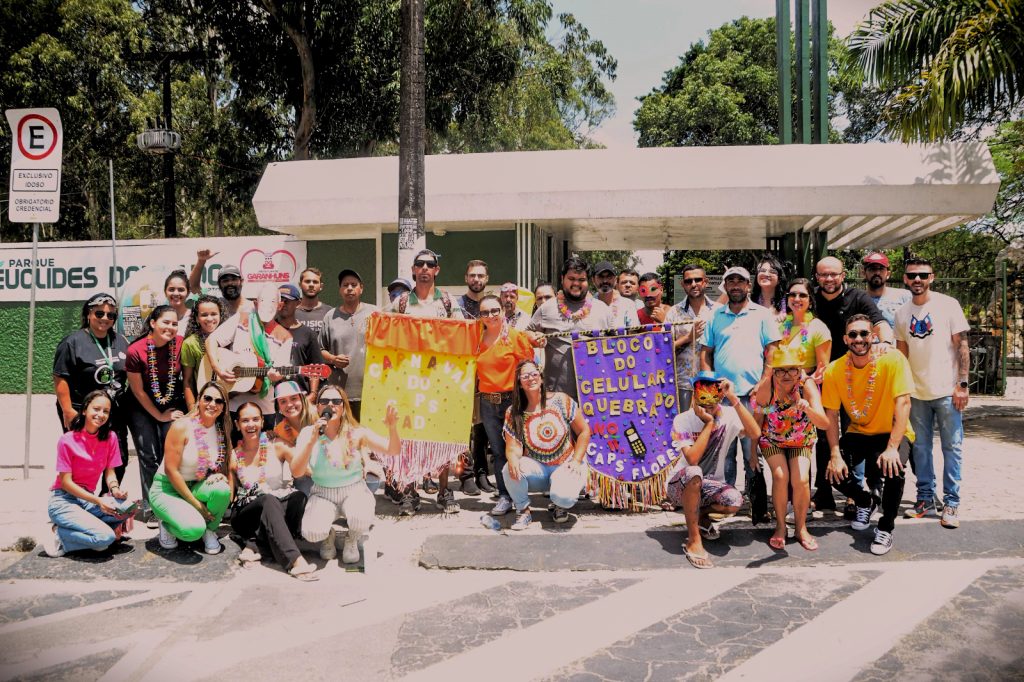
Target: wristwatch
[{"x": 962, "y": 384}]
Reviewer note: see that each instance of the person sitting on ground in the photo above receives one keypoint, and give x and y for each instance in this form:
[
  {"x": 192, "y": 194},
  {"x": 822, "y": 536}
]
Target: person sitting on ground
[
  {"x": 337, "y": 449},
  {"x": 81, "y": 520},
  {"x": 542, "y": 453},
  {"x": 703, "y": 434},
  {"x": 192, "y": 488},
  {"x": 267, "y": 509},
  {"x": 296, "y": 413},
  {"x": 788, "y": 410}
]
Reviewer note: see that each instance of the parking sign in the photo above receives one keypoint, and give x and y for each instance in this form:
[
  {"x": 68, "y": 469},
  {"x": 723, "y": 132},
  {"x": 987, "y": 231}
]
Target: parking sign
[{"x": 37, "y": 149}]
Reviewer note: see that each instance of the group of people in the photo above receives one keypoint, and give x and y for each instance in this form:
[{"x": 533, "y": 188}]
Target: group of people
[{"x": 253, "y": 406}]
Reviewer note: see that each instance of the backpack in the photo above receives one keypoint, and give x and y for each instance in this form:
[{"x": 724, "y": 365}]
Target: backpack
[{"x": 446, "y": 301}]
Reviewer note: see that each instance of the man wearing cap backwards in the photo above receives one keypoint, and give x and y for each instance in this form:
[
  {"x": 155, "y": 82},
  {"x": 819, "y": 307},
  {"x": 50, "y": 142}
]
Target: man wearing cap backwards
[
  {"x": 886, "y": 298},
  {"x": 735, "y": 346},
  {"x": 343, "y": 338},
  {"x": 572, "y": 309},
  {"x": 623, "y": 309},
  {"x": 305, "y": 346},
  {"x": 874, "y": 390},
  {"x": 311, "y": 311},
  {"x": 703, "y": 434},
  {"x": 241, "y": 333},
  {"x": 229, "y": 281},
  {"x": 509, "y": 299},
  {"x": 427, "y": 300},
  {"x": 398, "y": 286}
]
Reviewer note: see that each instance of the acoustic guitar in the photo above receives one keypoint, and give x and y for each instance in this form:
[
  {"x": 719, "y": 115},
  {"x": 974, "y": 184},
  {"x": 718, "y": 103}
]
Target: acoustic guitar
[{"x": 250, "y": 371}]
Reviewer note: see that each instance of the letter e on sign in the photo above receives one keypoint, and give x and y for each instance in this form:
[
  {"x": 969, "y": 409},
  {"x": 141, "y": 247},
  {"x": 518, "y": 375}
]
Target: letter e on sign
[{"x": 37, "y": 151}]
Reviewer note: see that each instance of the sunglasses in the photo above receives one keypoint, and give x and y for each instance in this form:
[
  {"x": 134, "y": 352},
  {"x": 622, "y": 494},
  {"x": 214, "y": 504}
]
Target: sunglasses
[
  {"x": 491, "y": 312},
  {"x": 858, "y": 335},
  {"x": 329, "y": 401},
  {"x": 693, "y": 280},
  {"x": 99, "y": 315},
  {"x": 424, "y": 263},
  {"x": 529, "y": 375},
  {"x": 212, "y": 399},
  {"x": 798, "y": 294},
  {"x": 917, "y": 275}
]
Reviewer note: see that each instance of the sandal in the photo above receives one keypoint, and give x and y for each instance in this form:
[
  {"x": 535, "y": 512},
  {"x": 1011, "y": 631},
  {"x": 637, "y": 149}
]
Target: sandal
[
  {"x": 305, "y": 577},
  {"x": 666, "y": 506},
  {"x": 698, "y": 560},
  {"x": 710, "y": 531},
  {"x": 777, "y": 543},
  {"x": 808, "y": 543}
]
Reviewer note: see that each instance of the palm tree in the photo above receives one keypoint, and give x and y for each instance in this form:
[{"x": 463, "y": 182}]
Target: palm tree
[{"x": 945, "y": 62}]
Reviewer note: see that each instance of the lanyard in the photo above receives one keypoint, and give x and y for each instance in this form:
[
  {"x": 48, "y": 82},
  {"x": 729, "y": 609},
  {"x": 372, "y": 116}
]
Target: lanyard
[{"x": 108, "y": 354}]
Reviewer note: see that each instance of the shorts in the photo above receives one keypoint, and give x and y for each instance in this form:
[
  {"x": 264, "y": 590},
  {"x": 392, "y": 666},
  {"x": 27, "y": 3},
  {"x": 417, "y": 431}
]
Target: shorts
[
  {"x": 790, "y": 453},
  {"x": 711, "y": 490}
]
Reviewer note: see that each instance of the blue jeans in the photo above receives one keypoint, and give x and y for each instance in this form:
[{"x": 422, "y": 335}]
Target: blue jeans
[
  {"x": 493, "y": 419},
  {"x": 923, "y": 415},
  {"x": 535, "y": 477},
  {"x": 731, "y": 466},
  {"x": 80, "y": 524}
]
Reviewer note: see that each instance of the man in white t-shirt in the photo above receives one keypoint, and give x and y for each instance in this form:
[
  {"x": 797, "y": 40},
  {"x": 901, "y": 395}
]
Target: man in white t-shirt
[
  {"x": 704, "y": 434},
  {"x": 623, "y": 309},
  {"x": 931, "y": 331}
]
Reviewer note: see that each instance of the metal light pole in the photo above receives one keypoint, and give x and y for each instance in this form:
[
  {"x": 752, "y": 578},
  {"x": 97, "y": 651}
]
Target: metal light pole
[{"x": 412, "y": 124}]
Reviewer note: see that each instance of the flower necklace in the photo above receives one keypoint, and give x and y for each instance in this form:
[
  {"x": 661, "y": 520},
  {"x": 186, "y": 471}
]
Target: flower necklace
[
  {"x": 787, "y": 327},
  {"x": 776, "y": 406},
  {"x": 860, "y": 414},
  {"x": 581, "y": 314},
  {"x": 159, "y": 397},
  {"x": 260, "y": 461},
  {"x": 204, "y": 466}
]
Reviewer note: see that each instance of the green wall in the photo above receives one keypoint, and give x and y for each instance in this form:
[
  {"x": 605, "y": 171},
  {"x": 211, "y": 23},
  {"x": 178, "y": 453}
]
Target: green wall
[
  {"x": 54, "y": 320},
  {"x": 331, "y": 257},
  {"x": 497, "y": 248}
]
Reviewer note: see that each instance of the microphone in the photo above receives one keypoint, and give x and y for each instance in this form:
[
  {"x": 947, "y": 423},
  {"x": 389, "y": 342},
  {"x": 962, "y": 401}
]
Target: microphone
[{"x": 328, "y": 415}]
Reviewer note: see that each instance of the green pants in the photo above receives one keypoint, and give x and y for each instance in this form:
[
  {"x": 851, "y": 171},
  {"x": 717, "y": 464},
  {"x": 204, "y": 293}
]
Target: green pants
[{"x": 182, "y": 519}]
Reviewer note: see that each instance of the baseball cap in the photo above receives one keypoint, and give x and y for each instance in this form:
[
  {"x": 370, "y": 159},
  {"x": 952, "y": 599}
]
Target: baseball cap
[
  {"x": 707, "y": 377},
  {"x": 876, "y": 258},
  {"x": 348, "y": 272},
  {"x": 287, "y": 388},
  {"x": 229, "y": 271},
  {"x": 429, "y": 254},
  {"x": 289, "y": 292},
  {"x": 603, "y": 266},
  {"x": 400, "y": 282},
  {"x": 736, "y": 270}
]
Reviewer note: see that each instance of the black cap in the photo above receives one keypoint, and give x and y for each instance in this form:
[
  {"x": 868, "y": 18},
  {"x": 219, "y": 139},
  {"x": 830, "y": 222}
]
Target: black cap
[
  {"x": 347, "y": 272},
  {"x": 603, "y": 266}
]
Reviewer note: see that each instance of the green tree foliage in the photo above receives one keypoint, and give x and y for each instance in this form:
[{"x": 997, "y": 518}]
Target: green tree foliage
[
  {"x": 948, "y": 63},
  {"x": 621, "y": 260}
]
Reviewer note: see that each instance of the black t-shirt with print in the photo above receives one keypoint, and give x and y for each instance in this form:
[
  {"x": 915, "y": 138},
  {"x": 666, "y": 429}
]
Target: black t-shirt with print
[
  {"x": 84, "y": 365},
  {"x": 834, "y": 314}
]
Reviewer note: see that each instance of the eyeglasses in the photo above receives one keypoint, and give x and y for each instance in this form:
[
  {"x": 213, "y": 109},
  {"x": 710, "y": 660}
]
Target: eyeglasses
[
  {"x": 424, "y": 263},
  {"x": 786, "y": 371},
  {"x": 323, "y": 402},
  {"x": 527, "y": 376},
  {"x": 858, "y": 335},
  {"x": 692, "y": 280},
  {"x": 212, "y": 399},
  {"x": 490, "y": 312},
  {"x": 917, "y": 275},
  {"x": 99, "y": 315},
  {"x": 798, "y": 294},
  {"x": 828, "y": 275}
]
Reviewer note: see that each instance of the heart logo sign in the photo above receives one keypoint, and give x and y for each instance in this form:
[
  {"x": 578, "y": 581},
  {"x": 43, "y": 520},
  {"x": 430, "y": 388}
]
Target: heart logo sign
[{"x": 261, "y": 267}]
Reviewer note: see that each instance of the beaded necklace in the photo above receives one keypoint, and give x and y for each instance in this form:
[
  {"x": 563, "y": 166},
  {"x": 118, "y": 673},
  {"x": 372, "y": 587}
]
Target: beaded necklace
[
  {"x": 859, "y": 414},
  {"x": 204, "y": 466},
  {"x": 159, "y": 397},
  {"x": 776, "y": 407},
  {"x": 787, "y": 327},
  {"x": 260, "y": 462},
  {"x": 581, "y": 314}
]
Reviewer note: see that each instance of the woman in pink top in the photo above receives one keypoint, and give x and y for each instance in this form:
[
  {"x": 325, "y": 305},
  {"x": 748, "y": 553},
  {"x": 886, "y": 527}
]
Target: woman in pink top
[{"x": 81, "y": 520}]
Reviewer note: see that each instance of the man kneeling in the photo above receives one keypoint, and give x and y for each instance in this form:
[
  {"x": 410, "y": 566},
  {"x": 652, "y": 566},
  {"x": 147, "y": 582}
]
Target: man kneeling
[{"x": 703, "y": 434}]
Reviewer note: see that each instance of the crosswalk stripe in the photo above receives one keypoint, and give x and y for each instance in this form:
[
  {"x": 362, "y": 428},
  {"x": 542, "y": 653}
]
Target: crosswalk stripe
[
  {"x": 557, "y": 641},
  {"x": 52, "y": 618},
  {"x": 863, "y": 627}
]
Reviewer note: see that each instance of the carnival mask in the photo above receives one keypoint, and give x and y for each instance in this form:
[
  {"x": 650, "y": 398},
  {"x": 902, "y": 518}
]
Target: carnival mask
[
  {"x": 649, "y": 290},
  {"x": 707, "y": 394},
  {"x": 266, "y": 304}
]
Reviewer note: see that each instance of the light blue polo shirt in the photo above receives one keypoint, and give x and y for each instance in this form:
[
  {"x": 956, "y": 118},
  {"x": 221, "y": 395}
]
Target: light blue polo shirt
[{"x": 739, "y": 341}]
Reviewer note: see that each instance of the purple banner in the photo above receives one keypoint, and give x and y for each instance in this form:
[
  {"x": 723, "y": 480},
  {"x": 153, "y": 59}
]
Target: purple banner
[{"x": 627, "y": 391}]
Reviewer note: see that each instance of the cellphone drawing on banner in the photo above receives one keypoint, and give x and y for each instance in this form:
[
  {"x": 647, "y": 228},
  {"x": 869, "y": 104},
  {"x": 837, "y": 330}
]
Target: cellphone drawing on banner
[{"x": 636, "y": 443}]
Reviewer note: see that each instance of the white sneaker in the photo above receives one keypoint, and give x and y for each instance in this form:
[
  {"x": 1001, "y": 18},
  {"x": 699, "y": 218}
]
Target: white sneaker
[
  {"x": 167, "y": 541},
  {"x": 211, "y": 543},
  {"x": 882, "y": 543},
  {"x": 328, "y": 550},
  {"x": 350, "y": 551},
  {"x": 52, "y": 546}
]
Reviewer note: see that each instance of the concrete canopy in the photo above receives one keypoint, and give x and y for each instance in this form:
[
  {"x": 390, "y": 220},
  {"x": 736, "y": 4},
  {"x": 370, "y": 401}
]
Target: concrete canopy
[{"x": 863, "y": 195}]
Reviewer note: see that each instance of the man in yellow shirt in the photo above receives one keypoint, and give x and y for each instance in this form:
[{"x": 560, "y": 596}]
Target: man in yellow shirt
[{"x": 875, "y": 393}]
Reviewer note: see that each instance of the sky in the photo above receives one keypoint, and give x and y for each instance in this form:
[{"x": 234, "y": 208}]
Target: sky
[{"x": 647, "y": 37}]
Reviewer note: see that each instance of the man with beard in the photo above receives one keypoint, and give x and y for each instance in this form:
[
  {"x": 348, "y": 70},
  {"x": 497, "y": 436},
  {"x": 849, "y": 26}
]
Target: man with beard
[
  {"x": 305, "y": 347},
  {"x": 572, "y": 309},
  {"x": 343, "y": 338},
  {"x": 736, "y": 342},
  {"x": 627, "y": 283},
  {"x": 427, "y": 300},
  {"x": 887, "y": 299},
  {"x": 623, "y": 309},
  {"x": 229, "y": 281},
  {"x": 509, "y": 299},
  {"x": 874, "y": 390},
  {"x": 311, "y": 311},
  {"x": 932, "y": 332},
  {"x": 651, "y": 292},
  {"x": 474, "y": 479},
  {"x": 477, "y": 277},
  {"x": 698, "y": 309}
]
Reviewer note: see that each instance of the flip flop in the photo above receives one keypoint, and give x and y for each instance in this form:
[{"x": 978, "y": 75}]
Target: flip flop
[
  {"x": 698, "y": 560},
  {"x": 777, "y": 543},
  {"x": 710, "y": 531},
  {"x": 810, "y": 544},
  {"x": 305, "y": 577}
]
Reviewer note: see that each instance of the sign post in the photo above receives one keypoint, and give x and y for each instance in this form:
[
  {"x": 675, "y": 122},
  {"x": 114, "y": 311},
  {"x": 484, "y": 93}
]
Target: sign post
[{"x": 37, "y": 150}]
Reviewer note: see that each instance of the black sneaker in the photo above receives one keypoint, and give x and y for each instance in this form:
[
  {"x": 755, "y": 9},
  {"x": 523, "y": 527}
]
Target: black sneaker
[
  {"x": 469, "y": 487},
  {"x": 484, "y": 484},
  {"x": 392, "y": 493},
  {"x": 559, "y": 515},
  {"x": 446, "y": 501},
  {"x": 429, "y": 486},
  {"x": 408, "y": 506}
]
